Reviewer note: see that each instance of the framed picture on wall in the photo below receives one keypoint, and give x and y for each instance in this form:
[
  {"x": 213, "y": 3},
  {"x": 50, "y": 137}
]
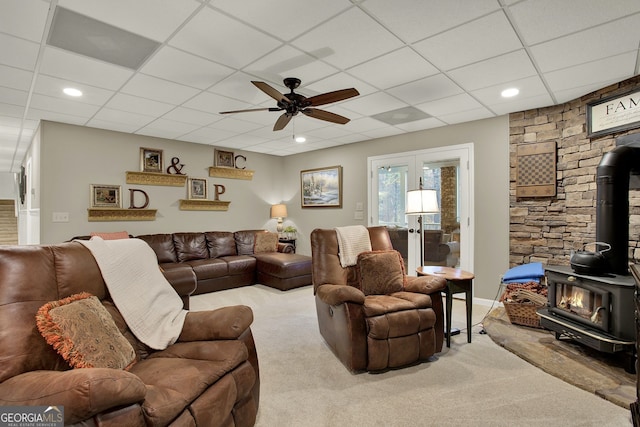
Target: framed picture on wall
[
  {"x": 321, "y": 188},
  {"x": 106, "y": 196},
  {"x": 224, "y": 159},
  {"x": 151, "y": 160},
  {"x": 197, "y": 189}
]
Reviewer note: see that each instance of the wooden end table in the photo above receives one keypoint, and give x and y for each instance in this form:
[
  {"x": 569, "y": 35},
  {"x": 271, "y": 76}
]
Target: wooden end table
[{"x": 457, "y": 281}]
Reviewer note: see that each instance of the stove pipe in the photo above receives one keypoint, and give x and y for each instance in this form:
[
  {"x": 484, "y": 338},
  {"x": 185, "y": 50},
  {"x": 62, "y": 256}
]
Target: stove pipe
[{"x": 612, "y": 207}]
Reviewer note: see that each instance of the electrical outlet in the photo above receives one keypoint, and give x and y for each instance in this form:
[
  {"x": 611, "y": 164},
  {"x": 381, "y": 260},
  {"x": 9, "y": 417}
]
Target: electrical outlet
[
  {"x": 359, "y": 206},
  {"x": 60, "y": 217}
]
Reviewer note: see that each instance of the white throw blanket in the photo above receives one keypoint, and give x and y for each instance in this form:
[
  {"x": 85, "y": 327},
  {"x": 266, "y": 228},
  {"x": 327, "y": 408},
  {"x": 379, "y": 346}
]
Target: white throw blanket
[
  {"x": 147, "y": 301},
  {"x": 352, "y": 240}
]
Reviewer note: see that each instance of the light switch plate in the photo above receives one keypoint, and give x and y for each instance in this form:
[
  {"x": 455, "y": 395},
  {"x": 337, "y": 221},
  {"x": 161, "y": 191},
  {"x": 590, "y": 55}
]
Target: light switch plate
[{"x": 60, "y": 217}]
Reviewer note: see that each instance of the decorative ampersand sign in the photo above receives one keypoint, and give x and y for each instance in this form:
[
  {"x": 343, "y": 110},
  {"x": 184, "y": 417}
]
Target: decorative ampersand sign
[{"x": 176, "y": 166}]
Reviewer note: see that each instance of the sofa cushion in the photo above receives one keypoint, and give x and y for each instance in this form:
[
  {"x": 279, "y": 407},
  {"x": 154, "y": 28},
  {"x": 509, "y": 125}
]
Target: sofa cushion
[
  {"x": 265, "y": 242},
  {"x": 220, "y": 243},
  {"x": 190, "y": 246},
  {"x": 162, "y": 245},
  {"x": 380, "y": 272},
  {"x": 240, "y": 264},
  {"x": 284, "y": 265},
  {"x": 209, "y": 268},
  {"x": 245, "y": 240},
  {"x": 83, "y": 332}
]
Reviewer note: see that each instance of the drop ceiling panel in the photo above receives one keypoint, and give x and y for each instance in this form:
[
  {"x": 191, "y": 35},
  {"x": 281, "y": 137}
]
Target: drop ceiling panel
[
  {"x": 393, "y": 69},
  {"x": 450, "y": 105},
  {"x": 213, "y": 103},
  {"x": 589, "y": 45},
  {"x": 369, "y": 105},
  {"x": 287, "y": 61},
  {"x": 268, "y": 15},
  {"x": 134, "y": 104},
  {"x": 18, "y": 53},
  {"x": 149, "y": 18},
  {"x": 424, "y": 90},
  {"x": 54, "y": 116},
  {"x": 238, "y": 86},
  {"x": 604, "y": 72},
  {"x": 15, "y": 78},
  {"x": 338, "y": 81},
  {"x": 220, "y": 38},
  {"x": 125, "y": 117},
  {"x": 542, "y": 20},
  {"x": 158, "y": 89},
  {"x": 181, "y": 67},
  {"x": 53, "y": 86},
  {"x": 70, "y": 66},
  {"x": 354, "y": 38},
  {"x": 466, "y": 116},
  {"x": 163, "y": 128},
  {"x": 415, "y": 20},
  {"x": 64, "y": 106},
  {"x": 195, "y": 117},
  {"x": 485, "y": 37},
  {"x": 23, "y": 18},
  {"x": 504, "y": 68},
  {"x": 13, "y": 96},
  {"x": 529, "y": 87}
]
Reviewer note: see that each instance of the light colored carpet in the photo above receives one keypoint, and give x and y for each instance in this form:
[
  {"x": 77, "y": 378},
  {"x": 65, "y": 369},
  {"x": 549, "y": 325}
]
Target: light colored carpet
[
  {"x": 477, "y": 384},
  {"x": 597, "y": 372}
]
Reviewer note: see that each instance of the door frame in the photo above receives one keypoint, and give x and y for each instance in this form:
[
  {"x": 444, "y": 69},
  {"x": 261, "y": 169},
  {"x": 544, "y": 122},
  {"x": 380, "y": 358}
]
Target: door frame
[{"x": 462, "y": 152}]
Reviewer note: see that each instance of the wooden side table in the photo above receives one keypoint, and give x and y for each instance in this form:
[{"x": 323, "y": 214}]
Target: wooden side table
[{"x": 457, "y": 281}]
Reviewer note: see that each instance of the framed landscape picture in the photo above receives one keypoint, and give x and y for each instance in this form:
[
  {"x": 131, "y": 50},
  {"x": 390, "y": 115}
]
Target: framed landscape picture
[
  {"x": 151, "y": 160},
  {"x": 321, "y": 188},
  {"x": 197, "y": 189},
  {"x": 106, "y": 196}
]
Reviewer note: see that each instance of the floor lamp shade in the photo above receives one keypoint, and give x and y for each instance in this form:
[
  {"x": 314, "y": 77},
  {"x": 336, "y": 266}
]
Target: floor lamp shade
[
  {"x": 422, "y": 202},
  {"x": 279, "y": 212}
]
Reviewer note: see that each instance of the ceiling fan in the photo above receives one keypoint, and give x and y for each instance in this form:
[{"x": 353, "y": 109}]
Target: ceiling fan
[{"x": 294, "y": 103}]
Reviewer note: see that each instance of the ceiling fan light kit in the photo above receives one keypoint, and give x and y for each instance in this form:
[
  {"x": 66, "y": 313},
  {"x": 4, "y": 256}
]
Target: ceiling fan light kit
[{"x": 294, "y": 103}]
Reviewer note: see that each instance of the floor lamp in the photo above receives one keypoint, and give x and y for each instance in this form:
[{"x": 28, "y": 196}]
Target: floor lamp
[{"x": 420, "y": 202}]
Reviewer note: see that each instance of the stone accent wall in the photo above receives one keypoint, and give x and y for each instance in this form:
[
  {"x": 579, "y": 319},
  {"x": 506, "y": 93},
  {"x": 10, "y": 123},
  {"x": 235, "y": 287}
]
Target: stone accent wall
[
  {"x": 547, "y": 229},
  {"x": 449, "y": 199}
]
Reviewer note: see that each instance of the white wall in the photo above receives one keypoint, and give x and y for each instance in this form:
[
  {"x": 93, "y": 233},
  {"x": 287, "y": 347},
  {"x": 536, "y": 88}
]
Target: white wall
[
  {"x": 75, "y": 157},
  {"x": 491, "y": 149}
]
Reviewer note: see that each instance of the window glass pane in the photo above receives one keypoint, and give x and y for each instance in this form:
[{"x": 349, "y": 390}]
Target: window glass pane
[{"x": 392, "y": 189}]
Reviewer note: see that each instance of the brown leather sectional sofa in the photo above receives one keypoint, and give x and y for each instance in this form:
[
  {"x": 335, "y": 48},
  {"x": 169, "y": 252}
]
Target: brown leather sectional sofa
[
  {"x": 224, "y": 259},
  {"x": 209, "y": 377}
]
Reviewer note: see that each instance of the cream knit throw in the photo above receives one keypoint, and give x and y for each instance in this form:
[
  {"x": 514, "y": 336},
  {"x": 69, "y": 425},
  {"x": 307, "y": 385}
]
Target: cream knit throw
[
  {"x": 149, "y": 304},
  {"x": 352, "y": 240}
]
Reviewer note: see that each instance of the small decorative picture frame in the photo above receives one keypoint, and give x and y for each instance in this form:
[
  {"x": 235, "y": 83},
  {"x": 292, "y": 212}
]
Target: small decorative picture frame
[
  {"x": 106, "y": 196},
  {"x": 197, "y": 189},
  {"x": 151, "y": 160},
  {"x": 224, "y": 159}
]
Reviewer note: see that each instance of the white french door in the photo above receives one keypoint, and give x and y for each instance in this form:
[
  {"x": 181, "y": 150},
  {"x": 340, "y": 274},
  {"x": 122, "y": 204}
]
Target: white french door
[{"x": 391, "y": 176}]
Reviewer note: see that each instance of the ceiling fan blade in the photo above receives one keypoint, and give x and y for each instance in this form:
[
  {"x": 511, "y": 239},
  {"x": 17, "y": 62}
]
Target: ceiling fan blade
[
  {"x": 282, "y": 121},
  {"x": 271, "y": 92},
  {"x": 250, "y": 109},
  {"x": 325, "y": 115},
  {"x": 335, "y": 96}
]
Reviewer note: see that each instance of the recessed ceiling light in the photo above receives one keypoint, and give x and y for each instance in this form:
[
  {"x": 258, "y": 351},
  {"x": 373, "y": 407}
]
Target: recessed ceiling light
[
  {"x": 508, "y": 93},
  {"x": 72, "y": 91},
  {"x": 300, "y": 139}
]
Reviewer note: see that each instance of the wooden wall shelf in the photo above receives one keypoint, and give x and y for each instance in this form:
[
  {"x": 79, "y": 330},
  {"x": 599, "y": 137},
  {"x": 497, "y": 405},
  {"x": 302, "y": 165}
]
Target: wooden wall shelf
[
  {"x": 111, "y": 214},
  {"x": 203, "y": 205},
  {"x": 154, "y": 178},
  {"x": 231, "y": 173}
]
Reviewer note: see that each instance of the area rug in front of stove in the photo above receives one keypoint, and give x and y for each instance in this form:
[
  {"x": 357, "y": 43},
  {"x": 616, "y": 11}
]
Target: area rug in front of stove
[{"x": 586, "y": 368}]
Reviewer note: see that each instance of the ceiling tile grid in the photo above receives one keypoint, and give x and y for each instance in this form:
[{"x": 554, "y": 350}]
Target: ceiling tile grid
[{"x": 448, "y": 61}]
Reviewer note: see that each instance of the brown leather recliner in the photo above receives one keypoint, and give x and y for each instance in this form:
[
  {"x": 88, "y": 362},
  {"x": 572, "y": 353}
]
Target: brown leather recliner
[
  {"x": 209, "y": 377},
  {"x": 374, "y": 332}
]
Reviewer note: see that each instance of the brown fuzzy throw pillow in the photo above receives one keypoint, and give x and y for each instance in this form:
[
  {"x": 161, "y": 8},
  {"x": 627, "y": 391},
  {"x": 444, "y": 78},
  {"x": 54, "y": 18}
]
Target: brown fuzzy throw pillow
[
  {"x": 83, "y": 332},
  {"x": 380, "y": 272},
  {"x": 265, "y": 242}
]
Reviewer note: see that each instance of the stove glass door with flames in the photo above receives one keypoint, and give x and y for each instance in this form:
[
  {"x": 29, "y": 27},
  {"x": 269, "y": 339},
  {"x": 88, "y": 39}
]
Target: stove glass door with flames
[{"x": 583, "y": 304}]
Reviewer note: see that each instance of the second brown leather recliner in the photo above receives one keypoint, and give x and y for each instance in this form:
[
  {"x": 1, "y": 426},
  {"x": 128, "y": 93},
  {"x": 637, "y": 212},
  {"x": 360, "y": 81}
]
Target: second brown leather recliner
[{"x": 368, "y": 331}]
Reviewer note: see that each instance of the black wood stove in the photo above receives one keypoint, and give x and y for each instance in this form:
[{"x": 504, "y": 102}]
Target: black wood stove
[{"x": 597, "y": 309}]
